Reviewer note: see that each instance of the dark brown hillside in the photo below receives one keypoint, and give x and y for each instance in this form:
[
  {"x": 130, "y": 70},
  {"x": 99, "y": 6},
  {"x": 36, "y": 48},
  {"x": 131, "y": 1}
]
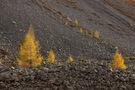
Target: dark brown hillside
[{"x": 130, "y": 2}]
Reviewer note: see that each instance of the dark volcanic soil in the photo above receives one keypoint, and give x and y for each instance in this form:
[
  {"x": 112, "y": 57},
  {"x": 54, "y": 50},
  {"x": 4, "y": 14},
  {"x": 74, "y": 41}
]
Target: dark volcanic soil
[{"x": 113, "y": 19}]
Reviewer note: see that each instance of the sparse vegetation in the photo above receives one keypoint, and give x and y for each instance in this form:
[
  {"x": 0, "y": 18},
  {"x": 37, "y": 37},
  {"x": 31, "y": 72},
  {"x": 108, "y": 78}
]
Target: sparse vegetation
[
  {"x": 104, "y": 42},
  {"x": 76, "y": 22},
  {"x": 66, "y": 23},
  {"x": 130, "y": 58},
  {"x": 81, "y": 30},
  {"x": 70, "y": 59},
  {"x": 29, "y": 55},
  {"x": 51, "y": 57},
  {"x": 81, "y": 57},
  {"x": 90, "y": 33},
  {"x": 96, "y": 35}
]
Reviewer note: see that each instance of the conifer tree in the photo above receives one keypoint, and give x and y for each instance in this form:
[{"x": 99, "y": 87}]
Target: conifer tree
[
  {"x": 70, "y": 59},
  {"x": 96, "y": 34},
  {"x": 90, "y": 33},
  {"x": 29, "y": 55},
  {"x": 51, "y": 57},
  {"x": 76, "y": 22},
  {"x": 118, "y": 61}
]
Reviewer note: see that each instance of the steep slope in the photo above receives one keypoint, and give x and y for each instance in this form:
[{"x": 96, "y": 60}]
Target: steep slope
[{"x": 115, "y": 20}]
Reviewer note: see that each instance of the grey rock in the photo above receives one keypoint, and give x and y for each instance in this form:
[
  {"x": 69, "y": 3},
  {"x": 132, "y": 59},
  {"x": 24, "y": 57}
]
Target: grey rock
[
  {"x": 123, "y": 87},
  {"x": 133, "y": 75},
  {"x": 70, "y": 87}
]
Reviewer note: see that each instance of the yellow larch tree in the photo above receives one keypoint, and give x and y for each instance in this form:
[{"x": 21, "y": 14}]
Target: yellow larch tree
[
  {"x": 29, "y": 55},
  {"x": 51, "y": 57},
  {"x": 70, "y": 59},
  {"x": 90, "y": 33},
  {"x": 81, "y": 30},
  {"x": 76, "y": 22},
  {"x": 118, "y": 61},
  {"x": 96, "y": 35}
]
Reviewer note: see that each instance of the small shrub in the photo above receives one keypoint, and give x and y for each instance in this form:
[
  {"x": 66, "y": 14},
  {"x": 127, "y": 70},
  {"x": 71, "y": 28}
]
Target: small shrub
[
  {"x": 81, "y": 57},
  {"x": 66, "y": 23},
  {"x": 51, "y": 57},
  {"x": 29, "y": 55},
  {"x": 70, "y": 59},
  {"x": 76, "y": 22},
  {"x": 130, "y": 58},
  {"x": 90, "y": 33},
  {"x": 96, "y": 34},
  {"x": 104, "y": 42},
  {"x": 118, "y": 61},
  {"x": 81, "y": 30}
]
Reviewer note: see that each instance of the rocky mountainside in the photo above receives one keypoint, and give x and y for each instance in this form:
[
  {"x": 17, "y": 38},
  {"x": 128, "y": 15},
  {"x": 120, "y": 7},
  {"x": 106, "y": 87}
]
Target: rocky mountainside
[
  {"x": 114, "y": 20},
  {"x": 56, "y": 28}
]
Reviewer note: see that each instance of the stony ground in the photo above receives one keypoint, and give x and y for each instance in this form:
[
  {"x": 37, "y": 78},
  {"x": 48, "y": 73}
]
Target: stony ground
[{"x": 80, "y": 74}]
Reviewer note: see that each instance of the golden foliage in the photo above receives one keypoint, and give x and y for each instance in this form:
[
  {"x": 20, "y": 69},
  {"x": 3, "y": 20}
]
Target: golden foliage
[
  {"x": 70, "y": 59},
  {"x": 118, "y": 61},
  {"x": 96, "y": 34},
  {"x": 76, "y": 22},
  {"x": 51, "y": 57},
  {"x": 29, "y": 55}
]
